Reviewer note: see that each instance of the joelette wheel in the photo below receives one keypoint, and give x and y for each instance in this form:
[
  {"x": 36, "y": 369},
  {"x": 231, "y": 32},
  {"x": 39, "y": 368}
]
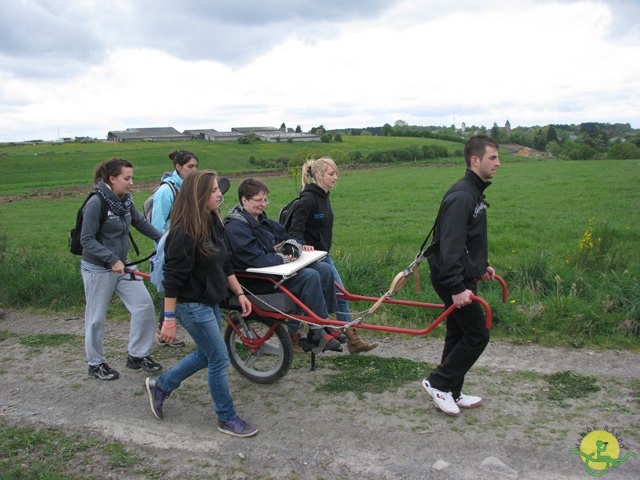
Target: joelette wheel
[{"x": 267, "y": 363}]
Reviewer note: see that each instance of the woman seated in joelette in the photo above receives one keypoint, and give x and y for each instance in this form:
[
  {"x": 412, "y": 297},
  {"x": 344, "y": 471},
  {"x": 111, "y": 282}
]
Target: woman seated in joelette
[{"x": 254, "y": 241}]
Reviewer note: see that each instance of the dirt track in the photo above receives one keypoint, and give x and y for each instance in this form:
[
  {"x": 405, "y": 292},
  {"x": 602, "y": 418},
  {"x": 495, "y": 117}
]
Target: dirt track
[{"x": 517, "y": 433}]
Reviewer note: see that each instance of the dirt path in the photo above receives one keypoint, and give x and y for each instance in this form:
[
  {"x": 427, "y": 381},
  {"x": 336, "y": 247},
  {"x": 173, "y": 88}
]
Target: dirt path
[{"x": 519, "y": 433}]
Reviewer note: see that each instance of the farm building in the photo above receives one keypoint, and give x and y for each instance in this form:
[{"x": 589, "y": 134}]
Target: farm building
[
  {"x": 214, "y": 135},
  {"x": 147, "y": 135},
  {"x": 266, "y": 134},
  {"x": 272, "y": 134}
]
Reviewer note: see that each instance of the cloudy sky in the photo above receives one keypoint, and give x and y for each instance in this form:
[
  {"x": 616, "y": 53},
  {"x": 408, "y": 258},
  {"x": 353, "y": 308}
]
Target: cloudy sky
[{"x": 84, "y": 67}]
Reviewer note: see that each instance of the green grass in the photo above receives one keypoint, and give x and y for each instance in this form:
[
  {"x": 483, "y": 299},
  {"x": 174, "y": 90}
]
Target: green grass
[
  {"x": 362, "y": 374},
  {"x": 29, "y": 453},
  {"x": 50, "y": 340},
  {"x": 570, "y": 385},
  {"x": 563, "y": 290},
  {"x": 56, "y": 165}
]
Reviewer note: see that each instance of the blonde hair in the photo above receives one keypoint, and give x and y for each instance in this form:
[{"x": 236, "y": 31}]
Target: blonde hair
[{"x": 313, "y": 167}]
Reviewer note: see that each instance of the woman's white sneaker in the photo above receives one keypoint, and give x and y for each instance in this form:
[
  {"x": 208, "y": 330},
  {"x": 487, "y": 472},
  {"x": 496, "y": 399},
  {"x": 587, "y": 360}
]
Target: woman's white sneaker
[
  {"x": 468, "y": 401},
  {"x": 443, "y": 400}
]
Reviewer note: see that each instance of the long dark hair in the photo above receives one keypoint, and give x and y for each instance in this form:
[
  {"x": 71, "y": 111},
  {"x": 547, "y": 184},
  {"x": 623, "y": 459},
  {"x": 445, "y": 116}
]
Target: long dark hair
[{"x": 190, "y": 212}]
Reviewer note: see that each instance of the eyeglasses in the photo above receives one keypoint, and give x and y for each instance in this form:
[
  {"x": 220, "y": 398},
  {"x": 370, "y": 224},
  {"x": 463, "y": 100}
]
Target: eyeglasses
[{"x": 260, "y": 200}]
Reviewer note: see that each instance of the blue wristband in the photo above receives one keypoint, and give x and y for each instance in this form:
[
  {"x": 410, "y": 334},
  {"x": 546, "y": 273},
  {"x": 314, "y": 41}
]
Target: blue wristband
[{"x": 169, "y": 314}]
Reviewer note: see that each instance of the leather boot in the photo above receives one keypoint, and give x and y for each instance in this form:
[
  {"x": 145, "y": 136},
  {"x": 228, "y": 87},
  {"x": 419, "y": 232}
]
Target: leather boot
[
  {"x": 295, "y": 341},
  {"x": 355, "y": 344}
]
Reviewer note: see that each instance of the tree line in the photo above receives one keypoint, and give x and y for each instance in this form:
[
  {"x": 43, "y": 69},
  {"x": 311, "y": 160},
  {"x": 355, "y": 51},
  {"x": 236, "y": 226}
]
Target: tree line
[{"x": 584, "y": 141}]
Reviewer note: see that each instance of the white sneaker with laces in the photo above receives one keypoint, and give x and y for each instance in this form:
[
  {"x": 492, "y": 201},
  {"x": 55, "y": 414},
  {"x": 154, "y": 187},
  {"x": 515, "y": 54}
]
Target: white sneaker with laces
[
  {"x": 468, "y": 401},
  {"x": 443, "y": 400}
]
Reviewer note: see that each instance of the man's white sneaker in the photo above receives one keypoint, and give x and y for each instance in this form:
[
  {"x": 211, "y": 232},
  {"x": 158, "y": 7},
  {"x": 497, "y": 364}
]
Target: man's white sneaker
[
  {"x": 443, "y": 400},
  {"x": 468, "y": 401}
]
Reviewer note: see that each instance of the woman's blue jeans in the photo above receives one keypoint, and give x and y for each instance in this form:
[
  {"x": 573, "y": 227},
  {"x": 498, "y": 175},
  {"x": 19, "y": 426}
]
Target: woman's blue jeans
[
  {"x": 343, "y": 313},
  {"x": 204, "y": 324}
]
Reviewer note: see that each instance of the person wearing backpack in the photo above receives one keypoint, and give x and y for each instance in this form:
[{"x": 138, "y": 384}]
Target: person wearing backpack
[
  {"x": 105, "y": 246},
  {"x": 185, "y": 162},
  {"x": 198, "y": 275},
  {"x": 311, "y": 223},
  {"x": 254, "y": 240},
  {"x": 158, "y": 206}
]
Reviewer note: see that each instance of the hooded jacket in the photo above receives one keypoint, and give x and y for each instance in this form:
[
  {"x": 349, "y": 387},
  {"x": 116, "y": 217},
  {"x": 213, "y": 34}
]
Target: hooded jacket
[
  {"x": 163, "y": 199},
  {"x": 104, "y": 244},
  {"x": 312, "y": 222},
  {"x": 459, "y": 250}
]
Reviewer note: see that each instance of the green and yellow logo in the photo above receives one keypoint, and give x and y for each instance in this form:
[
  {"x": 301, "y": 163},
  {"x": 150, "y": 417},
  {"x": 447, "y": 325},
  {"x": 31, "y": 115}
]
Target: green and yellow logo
[{"x": 600, "y": 450}]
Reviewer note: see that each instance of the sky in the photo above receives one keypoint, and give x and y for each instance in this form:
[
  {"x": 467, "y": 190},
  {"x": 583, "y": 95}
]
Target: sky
[{"x": 78, "y": 68}]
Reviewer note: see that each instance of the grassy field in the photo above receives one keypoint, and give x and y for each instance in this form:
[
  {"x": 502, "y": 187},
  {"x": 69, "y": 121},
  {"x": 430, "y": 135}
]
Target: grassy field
[
  {"x": 563, "y": 234},
  {"x": 56, "y": 165}
]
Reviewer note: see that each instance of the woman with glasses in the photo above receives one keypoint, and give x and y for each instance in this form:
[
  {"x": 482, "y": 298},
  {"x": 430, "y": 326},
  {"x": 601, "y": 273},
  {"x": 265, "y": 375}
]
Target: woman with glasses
[{"x": 255, "y": 241}]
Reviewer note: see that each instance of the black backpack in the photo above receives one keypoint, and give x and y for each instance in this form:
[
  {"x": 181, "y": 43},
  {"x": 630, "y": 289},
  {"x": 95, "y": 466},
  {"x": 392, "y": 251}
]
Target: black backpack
[
  {"x": 286, "y": 213},
  {"x": 75, "y": 245}
]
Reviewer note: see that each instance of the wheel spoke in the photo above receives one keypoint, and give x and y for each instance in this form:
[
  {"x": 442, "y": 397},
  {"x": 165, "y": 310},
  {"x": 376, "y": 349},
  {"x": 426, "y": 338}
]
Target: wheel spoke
[
  {"x": 251, "y": 359},
  {"x": 268, "y": 349}
]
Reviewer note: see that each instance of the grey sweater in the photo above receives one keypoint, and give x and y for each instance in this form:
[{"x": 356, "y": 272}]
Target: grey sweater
[{"x": 107, "y": 243}]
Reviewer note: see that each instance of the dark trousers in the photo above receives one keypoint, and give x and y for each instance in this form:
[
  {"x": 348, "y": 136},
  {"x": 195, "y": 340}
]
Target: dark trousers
[{"x": 466, "y": 338}]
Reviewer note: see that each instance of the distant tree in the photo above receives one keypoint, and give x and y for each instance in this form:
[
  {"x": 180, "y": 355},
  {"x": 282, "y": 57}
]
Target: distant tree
[
  {"x": 623, "y": 151},
  {"x": 579, "y": 151},
  {"x": 298, "y": 129},
  {"x": 283, "y": 126},
  {"x": 337, "y": 137},
  {"x": 244, "y": 140},
  {"x": 253, "y": 136},
  {"x": 387, "y": 130},
  {"x": 495, "y": 131},
  {"x": 365, "y": 133},
  {"x": 325, "y": 138},
  {"x": 553, "y": 148},
  {"x": 552, "y": 136},
  {"x": 400, "y": 124},
  {"x": 539, "y": 142}
]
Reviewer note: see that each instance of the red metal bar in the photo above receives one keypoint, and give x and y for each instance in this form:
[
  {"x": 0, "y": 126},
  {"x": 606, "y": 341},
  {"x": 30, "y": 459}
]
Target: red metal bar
[
  {"x": 311, "y": 317},
  {"x": 252, "y": 344}
]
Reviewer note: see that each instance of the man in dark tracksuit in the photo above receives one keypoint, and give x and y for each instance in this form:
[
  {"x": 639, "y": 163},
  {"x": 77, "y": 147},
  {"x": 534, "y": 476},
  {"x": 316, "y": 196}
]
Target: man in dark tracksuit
[{"x": 458, "y": 258}]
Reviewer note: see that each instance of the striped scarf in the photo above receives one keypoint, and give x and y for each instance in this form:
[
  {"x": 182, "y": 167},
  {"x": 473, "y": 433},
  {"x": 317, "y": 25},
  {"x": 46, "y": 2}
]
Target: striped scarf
[{"x": 118, "y": 207}]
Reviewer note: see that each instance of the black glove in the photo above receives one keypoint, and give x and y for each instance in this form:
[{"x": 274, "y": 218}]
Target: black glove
[{"x": 292, "y": 250}]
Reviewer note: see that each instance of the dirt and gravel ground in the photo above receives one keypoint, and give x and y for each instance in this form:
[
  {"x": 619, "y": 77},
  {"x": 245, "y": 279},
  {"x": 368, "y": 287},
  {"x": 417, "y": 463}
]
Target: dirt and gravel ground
[{"x": 519, "y": 433}]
